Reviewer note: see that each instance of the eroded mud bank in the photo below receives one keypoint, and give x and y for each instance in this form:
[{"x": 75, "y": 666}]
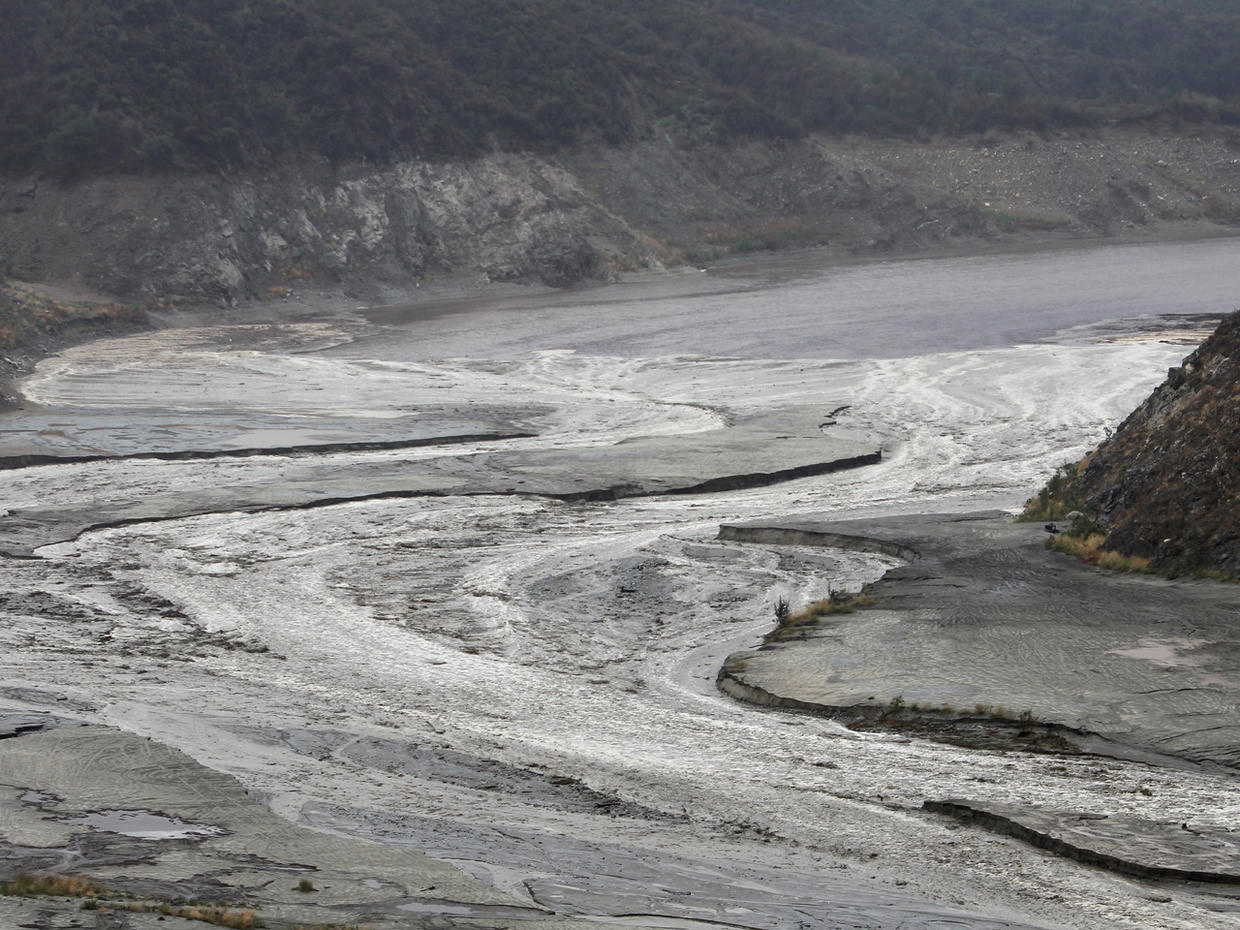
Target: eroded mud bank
[{"x": 985, "y": 619}]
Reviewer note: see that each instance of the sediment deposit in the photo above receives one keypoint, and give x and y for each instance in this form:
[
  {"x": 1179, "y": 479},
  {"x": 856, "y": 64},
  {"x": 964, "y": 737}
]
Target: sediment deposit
[{"x": 521, "y": 686}]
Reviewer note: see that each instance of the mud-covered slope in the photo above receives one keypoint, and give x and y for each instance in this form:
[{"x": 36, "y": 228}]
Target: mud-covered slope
[{"x": 1167, "y": 484}]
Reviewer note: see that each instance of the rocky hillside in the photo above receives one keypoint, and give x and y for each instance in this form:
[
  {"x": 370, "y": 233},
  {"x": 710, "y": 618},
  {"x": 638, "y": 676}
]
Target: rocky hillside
[
  {"x": 226, "y": 150},
  {"x": 590, "y": 213},
  {"x": 265, "y": 234},
  {"x": 1166, "y": 485}
]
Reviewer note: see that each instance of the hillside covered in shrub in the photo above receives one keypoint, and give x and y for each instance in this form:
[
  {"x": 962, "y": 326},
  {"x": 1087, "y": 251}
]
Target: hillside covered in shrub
[{"x": 96, "y": 86}]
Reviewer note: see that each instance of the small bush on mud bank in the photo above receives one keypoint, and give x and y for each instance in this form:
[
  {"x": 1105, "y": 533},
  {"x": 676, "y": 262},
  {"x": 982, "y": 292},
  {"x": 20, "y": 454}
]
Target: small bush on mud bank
[{"x": 837, "y": 602}]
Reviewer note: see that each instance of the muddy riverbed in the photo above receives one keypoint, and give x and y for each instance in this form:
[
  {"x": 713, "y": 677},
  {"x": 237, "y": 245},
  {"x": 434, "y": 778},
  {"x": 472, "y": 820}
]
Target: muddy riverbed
[{"x": 459, "y": 650}]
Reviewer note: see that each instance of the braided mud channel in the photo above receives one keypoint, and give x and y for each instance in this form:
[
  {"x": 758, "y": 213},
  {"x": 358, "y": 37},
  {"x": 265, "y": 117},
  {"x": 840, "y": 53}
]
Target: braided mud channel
[{"x": 516, "y": 678}]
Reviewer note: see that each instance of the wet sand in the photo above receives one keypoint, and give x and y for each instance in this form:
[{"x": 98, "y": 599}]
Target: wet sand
[
  {"x": 186, "y": 834},
  {"x": 782, "y": 445}
]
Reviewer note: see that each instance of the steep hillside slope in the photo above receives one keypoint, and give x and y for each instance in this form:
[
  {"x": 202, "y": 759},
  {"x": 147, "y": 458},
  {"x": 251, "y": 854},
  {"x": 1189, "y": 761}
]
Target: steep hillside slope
[
  {"x": 1166, "y": 485},
  {"x": 262, "y": 234},
  {"x": 100, "y": 86},
  {"x": 226, "y": 150},
  {"x": 588, "y": 213}
]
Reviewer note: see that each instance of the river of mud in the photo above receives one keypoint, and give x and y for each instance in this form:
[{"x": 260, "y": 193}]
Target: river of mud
[{"x": 520, "y": 680}]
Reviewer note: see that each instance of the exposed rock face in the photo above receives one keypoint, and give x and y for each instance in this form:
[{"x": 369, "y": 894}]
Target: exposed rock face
[
  {"x": 1167, "y": 484},
  {"x": 584, "y": 213},
  {"x": 505, "y": 217},
  {"x": 761, "y": 194},
  {"x": 883, "y": 194}
]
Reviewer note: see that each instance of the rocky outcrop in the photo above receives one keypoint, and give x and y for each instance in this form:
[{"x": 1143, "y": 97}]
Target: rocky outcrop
[
  {"x": 1166, "y": 485},
  {"x": 762, "y": 194},
  {"x": 874, "y": 195},
  {"x": 500, "y": 218},
  {"x": 583, "y": 214}
]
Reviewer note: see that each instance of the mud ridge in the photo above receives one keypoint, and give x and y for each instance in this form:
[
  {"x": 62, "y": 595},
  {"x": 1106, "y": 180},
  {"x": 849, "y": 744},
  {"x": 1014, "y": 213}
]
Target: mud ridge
[
  {"x": 307, "y": 505},
  {"x": 986, "y": 618},
  {"x": 1051, "y": 837},
  {"x": 613, "y": 493},
  {"x": 763, "y": 479},
  {"x": 789, "y": 536},
  {"x": 34, "y": 461},
  {"x": 971, "y": 731},
  {"x": 724, "y": 482}
]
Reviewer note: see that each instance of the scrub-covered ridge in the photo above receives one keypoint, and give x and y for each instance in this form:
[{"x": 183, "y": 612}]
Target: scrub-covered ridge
[
  {"x": 1166, "y": 485},
  {"x": 153, "y": 85}
]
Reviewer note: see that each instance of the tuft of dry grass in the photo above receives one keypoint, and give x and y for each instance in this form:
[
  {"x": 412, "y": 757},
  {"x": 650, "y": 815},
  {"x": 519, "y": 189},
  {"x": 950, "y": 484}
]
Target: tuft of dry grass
[
  {"x": 245, "y": 919},
  {"x": 1058, "y": 497},
  {"x": 1089, "y": 550},
  {"x": 836, "y": 603},
  {"x": 60, "y": 886},
  {"x": 216, "y": 914},
  {"x": 100, "y": 896}
]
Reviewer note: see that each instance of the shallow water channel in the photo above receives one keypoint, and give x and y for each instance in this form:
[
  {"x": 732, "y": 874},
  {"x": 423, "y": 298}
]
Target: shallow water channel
[{"x": 524, "y": 685}]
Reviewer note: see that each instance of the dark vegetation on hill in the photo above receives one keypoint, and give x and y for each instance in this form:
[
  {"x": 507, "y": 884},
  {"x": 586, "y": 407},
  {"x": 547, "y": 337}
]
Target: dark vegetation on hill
[
  {"x": 1166, "y": 485},
  {"x": 90, "y": 86}
]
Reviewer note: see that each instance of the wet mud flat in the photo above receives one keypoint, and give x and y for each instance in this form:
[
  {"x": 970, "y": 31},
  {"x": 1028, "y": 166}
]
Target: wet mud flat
[
  {"x": 74, "y": 436},
  {"x": 985, "y": 638},
  {"x": 218, "y": 392},
  {"x": 984, "y": 621},
  {"x": 751, "y": 452},
  {"x": 501, "y": 653},
  {"x": 156, "y": 832},
  {"x": 150, "y": 838}
]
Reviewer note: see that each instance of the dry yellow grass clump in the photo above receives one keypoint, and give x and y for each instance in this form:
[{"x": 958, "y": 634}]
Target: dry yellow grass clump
[
  {"x": 66, "y": 886},
  {"x": 99, "y": 897},
  {"x": 837, "y": 603},
  {"x": 1089, "y": 550},
  {"x": 219, "y": 916}
]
